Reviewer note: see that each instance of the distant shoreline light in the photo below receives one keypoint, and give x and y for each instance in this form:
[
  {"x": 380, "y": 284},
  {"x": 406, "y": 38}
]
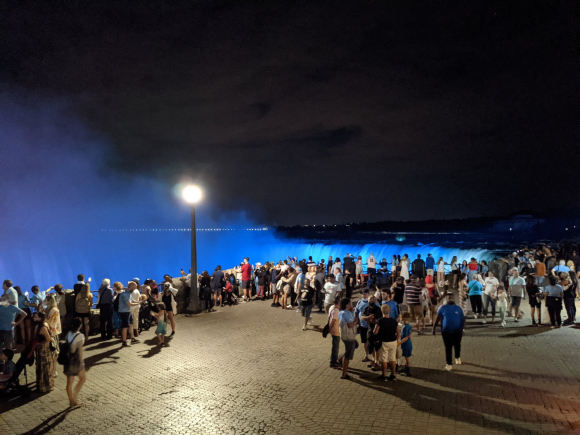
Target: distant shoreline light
[{"x": 117, "y": 230}]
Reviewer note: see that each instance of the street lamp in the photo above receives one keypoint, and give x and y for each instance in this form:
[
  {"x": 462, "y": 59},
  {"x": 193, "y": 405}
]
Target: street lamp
[{"x": 192, "y": 195}]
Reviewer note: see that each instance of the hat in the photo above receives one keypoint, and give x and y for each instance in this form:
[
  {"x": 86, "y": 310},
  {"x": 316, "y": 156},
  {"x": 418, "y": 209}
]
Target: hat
[
  {"x": 136, "y": 280},
  {"x": 515, "y": 253},
  {"x": 366, "y": 290},
  {"x": 258, "y": 264}
]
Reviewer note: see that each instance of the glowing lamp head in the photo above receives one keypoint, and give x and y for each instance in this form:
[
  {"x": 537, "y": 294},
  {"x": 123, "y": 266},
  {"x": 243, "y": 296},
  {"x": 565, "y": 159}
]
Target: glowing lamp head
[{"x": 191, "y": 194}]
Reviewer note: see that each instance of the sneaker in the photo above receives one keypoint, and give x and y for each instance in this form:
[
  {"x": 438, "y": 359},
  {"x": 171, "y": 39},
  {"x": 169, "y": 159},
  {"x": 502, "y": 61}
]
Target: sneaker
[
  {"x": 392, "y": 378},
  {"x": 289, "y": 306},
  {"x": 448, "y": 367},
  {"x": 304, "y": 328},
  {"x": 134, "y": 340},
  {"x": 503, "y": 324},
  {"x": 475, "y": 316},
  {"x": 273, "y": 305},
  {"x": 298, "y": 310},
  {"x": 278, "y": 304},
  {"x": 125, "y": 344},
  {"x": 458, "y": 361},
  {"x": 483, "y": 322},
  {"x": 516, "y": 320}
]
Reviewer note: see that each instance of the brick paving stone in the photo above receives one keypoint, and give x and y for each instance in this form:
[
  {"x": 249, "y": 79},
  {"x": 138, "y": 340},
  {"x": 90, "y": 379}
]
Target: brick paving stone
[{"x": 250, "y": 369}]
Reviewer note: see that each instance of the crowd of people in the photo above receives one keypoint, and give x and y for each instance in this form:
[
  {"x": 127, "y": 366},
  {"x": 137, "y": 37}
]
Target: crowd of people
[{"x": 394, "y": 295}]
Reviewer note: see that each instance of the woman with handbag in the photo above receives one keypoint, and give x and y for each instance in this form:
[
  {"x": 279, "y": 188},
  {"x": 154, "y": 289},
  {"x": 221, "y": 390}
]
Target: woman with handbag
[{"x": 75, "y": 364}]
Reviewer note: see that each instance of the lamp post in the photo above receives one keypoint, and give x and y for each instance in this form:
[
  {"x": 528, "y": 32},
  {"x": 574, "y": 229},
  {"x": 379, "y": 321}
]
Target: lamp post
[{"x": 192, "y": 195}]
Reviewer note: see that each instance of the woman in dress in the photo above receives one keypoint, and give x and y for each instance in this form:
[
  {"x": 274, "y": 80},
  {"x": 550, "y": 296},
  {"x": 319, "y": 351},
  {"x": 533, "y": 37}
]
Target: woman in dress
[
  {"x": 168, "y": 298},
  {"x": 463, "y": 293},
  {"x": 54, "y": 327},
  {"x": 405, "y": 267},
  {"x": 44, "y": 354},
  {"x": 440, "y": 271},
  {"x": 359, "y": 270},
  {"x": 76, "y": 364}
]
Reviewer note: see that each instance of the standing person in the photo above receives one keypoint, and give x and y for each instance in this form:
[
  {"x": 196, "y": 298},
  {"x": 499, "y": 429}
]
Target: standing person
[
  {"x": 472, "y": 269},
  {"x": 168, "y": 298},
  {"x": 298, "y": 285},
  {"x": 516, "y": 290},
  {"x": 329, "y": 265},
  {"x": 534, "y": 296},
  {"x": 570, "y": 295},
  {"x": 334, "y": 329},
  {"x": 125, "y": 304},
  {"x": 287, "y": 282},
  {"x": 406, "y": 343},
  {"x": 419, "y": 267},
  {"x": 24, "y": 328},
  {"x": 83, "y": 304},
  {"x": 227, "y": 294},
  {"x": 371, "y": 314},
  {"x": 348, "y": 283},
  {"x": 455, "y": 271},
  {"x": 330, "y": 290},
  {"x": 359, "y": 311},
  {"x": 268, "y": 280},
  {"x": 463, "y": 293},
  {"x": 430, "y": 264},
  {"x": 44, "y": 355},
  {"x": 371, "y": 265},
  {"x": 217, "y": 284},
  {"x": 489, "y": 296},
  {"x": 398, "y": 290},
  {"x": 359, "y": 270},
  {"x": 306, "y": 300},
  {"x": 339, "y": 278},
  {"x": 348, "y": 325},
  {"x": 433, "y": 297},
  {"x": 54, "y": 328},
  {"x": 388, "y": 331},
  {"x": 75, "y": 365},
  {"x": 413, "y": 295},
  {"x": 502, "y": 303},
  {"x": 405, "y": 267},
  {"x": 394, "y": 265},
  {"x": 475, "y": 295},
  {"x": 10, "y": 294},
  {"x": 554, "y": 294},
  {"x": 161, "y": 330},
  {"x": 440, "y": 270},
  {"x": 10, "y": 316},
  {"x": 105, "y": 305},
  {"x": 320, "y": 280},
  {"x": 275, "y": 276},
  {"x": 348, "y": 264},
  {"x": 132, "y": 287},
  {"x": 246, "y": 270},
  {"x": 205, "y": 292},
  {"x": 452, "y": 325}
]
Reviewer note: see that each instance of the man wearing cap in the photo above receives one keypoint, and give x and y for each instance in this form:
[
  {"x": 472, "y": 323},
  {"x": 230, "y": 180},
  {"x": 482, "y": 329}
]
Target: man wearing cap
[{"x": 359, "y": 309}]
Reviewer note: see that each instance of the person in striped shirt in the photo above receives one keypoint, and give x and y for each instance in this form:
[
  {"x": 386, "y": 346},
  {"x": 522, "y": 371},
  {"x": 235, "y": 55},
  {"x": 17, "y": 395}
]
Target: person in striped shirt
[{"x": 413, "y": 295}]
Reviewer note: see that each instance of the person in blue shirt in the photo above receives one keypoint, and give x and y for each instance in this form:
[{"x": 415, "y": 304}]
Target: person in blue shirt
[
  {"x": 387, "y": 299},
  {"x": 554, "y": 294},
  {"x": 37, "y": 298},
  {"x": 9, "y": 293},
  {"x": 430, "y": 264},
  {"x": 10, "y": 316},
  {"x": 406, "y": 343},
  {"x": 359, "y": 310},
  {"x": 452, "y": 324},
  {"x": 476, "y": 295}
]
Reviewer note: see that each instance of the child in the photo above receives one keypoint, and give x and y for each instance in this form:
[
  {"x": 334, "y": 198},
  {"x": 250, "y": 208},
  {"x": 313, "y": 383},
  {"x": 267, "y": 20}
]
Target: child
[
  {"x": 161, "y": 317},
  {"x": 228, "y": 293},
  {"x": 406, "y": 343},
  {"x": 502, "y": 302},
  {"x": 8, "y": 366}
]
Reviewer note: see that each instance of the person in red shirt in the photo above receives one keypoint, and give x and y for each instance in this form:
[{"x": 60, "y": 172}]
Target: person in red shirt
[
  {"x": 247, "y": 279},
  {"x": 228, "y": 292}
]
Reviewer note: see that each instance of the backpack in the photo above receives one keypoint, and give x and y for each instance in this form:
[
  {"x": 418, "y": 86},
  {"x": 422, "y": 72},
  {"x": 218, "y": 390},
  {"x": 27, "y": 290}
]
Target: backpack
[
  {"x": 82, "y": 305},
  {"x": 65, "y": 356}
]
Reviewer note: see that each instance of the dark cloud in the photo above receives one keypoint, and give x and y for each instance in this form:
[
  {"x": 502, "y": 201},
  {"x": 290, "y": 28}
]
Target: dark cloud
[{"x": 366, "y": 110}]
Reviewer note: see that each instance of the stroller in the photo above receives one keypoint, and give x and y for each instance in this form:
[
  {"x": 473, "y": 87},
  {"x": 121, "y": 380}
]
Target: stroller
[
  {"x": 145, "y": 317},
  {"x": 13, "y": 387}
]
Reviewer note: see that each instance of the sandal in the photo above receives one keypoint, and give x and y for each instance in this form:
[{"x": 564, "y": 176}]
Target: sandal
[{"x": 345, "y": 377}]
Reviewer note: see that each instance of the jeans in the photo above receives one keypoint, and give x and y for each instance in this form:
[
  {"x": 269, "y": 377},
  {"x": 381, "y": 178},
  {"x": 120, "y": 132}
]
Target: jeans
[
  {"x": 335, "y": 346},
  {"x": 476, "y": 304},
  {"x": 502, "y": 313},
  {"x": 106, "y": 321},
  {"x": 486, "y": 301},
  {"x": 570, "y": 309},
  {"x": 452, "y": 340},
  {"x": 554, "y": 306},
  {"x": 7, "y": 338}
]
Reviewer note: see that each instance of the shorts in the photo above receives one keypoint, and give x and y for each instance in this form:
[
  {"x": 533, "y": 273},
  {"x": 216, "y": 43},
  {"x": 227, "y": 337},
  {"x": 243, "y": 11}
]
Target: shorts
[
  {"x": 407, "y": 351},
  {"x": 306, "y": 310},
  {"x": 416, "y": 311},
  {"x": 349, "y": 348},
  {"x": 516, "y": 301},
  {"x": 388, "y": 352},
  {"x": 126, "y": 320},
  {"x": 430, "y": 272},
  {"x": 246, "y": 285},
  {"x": 82, "y": 315},
  {"x": 216, "y": 290},
  {"x": 363, "y": 334},
  {"x": 535, "y": 303}
]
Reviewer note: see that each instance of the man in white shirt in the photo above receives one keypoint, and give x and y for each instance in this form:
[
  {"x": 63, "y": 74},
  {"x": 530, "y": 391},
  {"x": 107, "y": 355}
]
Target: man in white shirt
[
  {"x": 489, "y": 295},
  {"x": 330, "y": 290},
  {"x": 517, "y": 286},
  {"x": 371, "y": 264}
]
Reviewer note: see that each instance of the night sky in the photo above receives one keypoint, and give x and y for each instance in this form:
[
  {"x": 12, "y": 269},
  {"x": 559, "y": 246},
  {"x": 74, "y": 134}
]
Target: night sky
[{"x": 317, "y": 112}]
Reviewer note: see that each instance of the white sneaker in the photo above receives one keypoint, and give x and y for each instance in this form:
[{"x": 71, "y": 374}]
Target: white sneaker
[
  {"x": 475, "y": 316},
  {"x": 503, "y": 324},
  {"x": 448, "y": 367},
  {"x": 484, "y": 322},
  {"x": 458, "y": 361},
  {"x": 289, "y": 306},
  {"x": 304, "y": 328}
]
